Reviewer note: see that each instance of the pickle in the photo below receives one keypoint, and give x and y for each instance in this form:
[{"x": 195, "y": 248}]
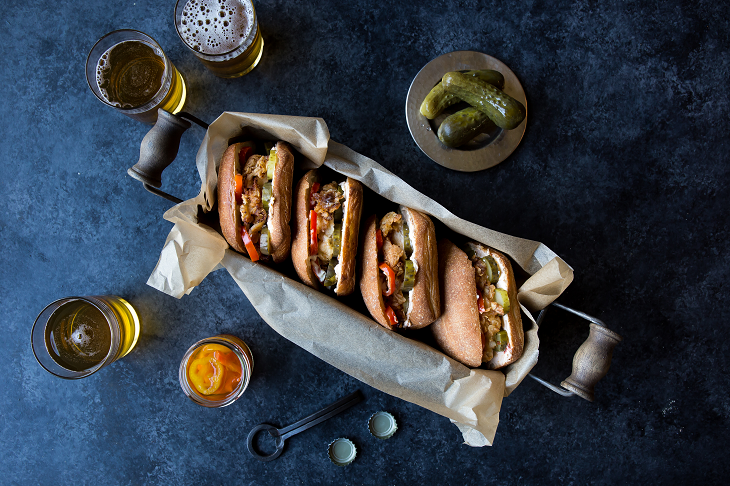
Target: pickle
[
  {"x": 464, "y": 125},
  {"x": 492, "y": 269},
  {"x": 505, "y": 111},
  {"x": 438, "y": 99},
  {"x": 266, "y": 193},
  {"x": 330, "y": 277},
  {"x": 264, "y": 241},
  {"x": 407, "y": 246},
  {"x": 339, "y": 214},
  {"x": 337, "y": 239},
  {"x": 409, "y": 277},
  {"x": 501, "y": 339},
  {"x": 271, "y": 164},
  {"x": 501, "y": 298}
]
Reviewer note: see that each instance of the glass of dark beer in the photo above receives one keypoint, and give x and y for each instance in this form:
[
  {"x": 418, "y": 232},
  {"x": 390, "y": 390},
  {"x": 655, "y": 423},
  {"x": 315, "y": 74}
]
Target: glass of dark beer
[
  {"x": 129, "y": 71},
  {"x": 223, "y": 34}
]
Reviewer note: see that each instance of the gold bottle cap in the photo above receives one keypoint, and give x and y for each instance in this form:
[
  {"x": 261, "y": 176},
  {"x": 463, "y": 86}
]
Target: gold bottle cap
[
  {"x": 342, "y": 452},
  {"x": 382, "y": 425}
]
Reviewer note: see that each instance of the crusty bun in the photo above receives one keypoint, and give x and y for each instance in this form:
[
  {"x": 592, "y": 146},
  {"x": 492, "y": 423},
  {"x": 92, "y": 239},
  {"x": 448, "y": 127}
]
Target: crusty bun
[
  {"x": 424, "y": 304},
  {"x": 300, "y": 229},
  {"x": 279, "y": 212},
  {"x": 370, "y": 287},
  {"x": 458, "y": 331},
  {"x": 512, "y": 320},
  {"x": 351, "y": 211},
  {"x": 228, "y": 208},
  {"x": 281, "y": 201},
  {"x": 350, "y": 232}
]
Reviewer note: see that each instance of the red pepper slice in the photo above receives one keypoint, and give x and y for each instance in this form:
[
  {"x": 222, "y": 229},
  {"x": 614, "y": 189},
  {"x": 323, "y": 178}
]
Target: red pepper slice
[
  {"x": 312, "y": 192},
  {"x": 480, "y": 302},
  {"x": 244, "y": 154},
  {"x": 391, "y": 316},
  {"x": 239, "y": 188},
  {"x": 250, "y": 247},
  {"x": 313, "y": 245},
  {"x": 379, "y": 238},
  {"x": 390, "y": 277}
]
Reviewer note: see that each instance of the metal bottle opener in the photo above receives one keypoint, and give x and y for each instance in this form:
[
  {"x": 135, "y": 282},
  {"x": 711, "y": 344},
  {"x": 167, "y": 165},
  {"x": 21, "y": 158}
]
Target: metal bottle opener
[{"x": 280, "y": 435}]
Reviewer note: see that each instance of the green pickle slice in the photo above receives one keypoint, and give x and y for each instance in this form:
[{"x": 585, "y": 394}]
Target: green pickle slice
[
  {"x": 337, "y": 239},
  {"x": 266, "y": 193},
  {"x": 338, "y": 214},
  {"x": 501, "y": 337},
  {"x": 265, "y": 241},
  {"x": 502, "y": 340},
  {"x": 331, "y": 277},
  {"x": 407, "y": 247},
  {"x": 501, "y": 298},
  {"x": 492, "y": 269},
  {"x": 409, "y": 276},
  {"x": 271, "y": 164}
]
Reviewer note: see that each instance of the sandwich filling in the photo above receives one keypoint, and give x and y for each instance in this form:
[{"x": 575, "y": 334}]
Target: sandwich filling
[
  {"x": 493, "y": 302},
  {"x": 327, "y": 204},
  {"x": 255, "y": 195},
  {"x": 398, "y": 271}
]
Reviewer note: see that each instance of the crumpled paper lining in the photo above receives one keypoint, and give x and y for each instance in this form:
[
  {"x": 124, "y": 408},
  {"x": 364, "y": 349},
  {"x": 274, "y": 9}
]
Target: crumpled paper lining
[{"x": 342, "y": 337}]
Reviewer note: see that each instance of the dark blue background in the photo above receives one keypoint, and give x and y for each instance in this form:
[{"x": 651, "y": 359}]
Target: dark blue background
[{"x": 623, "y": 171}]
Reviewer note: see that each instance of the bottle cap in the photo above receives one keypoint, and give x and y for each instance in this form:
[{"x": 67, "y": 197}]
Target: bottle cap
[
  {"x": 382, "y": 425},
  {"x": 342, "y": 452}
]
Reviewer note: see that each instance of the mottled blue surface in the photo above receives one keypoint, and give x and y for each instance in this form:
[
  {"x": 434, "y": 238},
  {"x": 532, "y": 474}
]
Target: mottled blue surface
[{"x": 623, "y": 171}]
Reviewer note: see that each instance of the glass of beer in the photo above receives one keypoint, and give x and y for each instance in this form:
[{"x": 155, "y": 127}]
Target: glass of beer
[
  {"x": 74, "y": 337},
  {"x": 128, "y": 70},
  {"x": 223, "y": 34}
]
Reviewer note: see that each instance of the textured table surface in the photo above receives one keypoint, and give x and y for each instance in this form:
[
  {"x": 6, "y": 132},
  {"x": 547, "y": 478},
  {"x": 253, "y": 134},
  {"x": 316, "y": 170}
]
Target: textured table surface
[{"x": 623, "y": 172}]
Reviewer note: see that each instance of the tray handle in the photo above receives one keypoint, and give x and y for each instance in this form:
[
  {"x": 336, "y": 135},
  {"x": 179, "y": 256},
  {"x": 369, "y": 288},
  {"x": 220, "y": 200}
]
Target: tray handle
[
  {"x": 159, "y": 149},
  {"x": 592, "y": 360}
]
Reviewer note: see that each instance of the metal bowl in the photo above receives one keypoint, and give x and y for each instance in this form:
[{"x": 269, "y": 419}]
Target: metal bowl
[{"x": 484, "y": 151}]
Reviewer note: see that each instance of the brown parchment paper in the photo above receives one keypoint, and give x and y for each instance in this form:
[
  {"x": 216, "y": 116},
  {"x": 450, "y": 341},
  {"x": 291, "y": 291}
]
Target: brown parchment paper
[{"x": 388, "y": 361}]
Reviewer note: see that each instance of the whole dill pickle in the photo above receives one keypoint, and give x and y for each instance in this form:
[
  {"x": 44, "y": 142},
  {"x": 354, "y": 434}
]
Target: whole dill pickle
[
  {"x": 505, "y": 111},
  {"x": 462, "y": 126},
  {"x": 438, "y": 100}
]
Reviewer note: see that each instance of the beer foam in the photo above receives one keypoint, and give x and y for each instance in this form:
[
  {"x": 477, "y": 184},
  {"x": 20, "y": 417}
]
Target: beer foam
[{"x": 216, "y": 26}]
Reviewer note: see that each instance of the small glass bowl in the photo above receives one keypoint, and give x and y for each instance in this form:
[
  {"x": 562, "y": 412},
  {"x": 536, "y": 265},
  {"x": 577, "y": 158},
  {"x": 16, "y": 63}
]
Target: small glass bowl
[{"x": 239, "y": 348}]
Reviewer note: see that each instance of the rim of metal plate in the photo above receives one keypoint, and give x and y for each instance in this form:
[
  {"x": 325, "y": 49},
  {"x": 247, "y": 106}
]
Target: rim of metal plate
[{"x": 487, "y": 150}]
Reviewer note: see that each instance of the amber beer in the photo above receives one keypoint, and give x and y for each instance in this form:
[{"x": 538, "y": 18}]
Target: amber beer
[
  {"x": 76, "y": 336},
  {"x": 128, "y": 70},
  {"x": 223, "y": 34}
]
